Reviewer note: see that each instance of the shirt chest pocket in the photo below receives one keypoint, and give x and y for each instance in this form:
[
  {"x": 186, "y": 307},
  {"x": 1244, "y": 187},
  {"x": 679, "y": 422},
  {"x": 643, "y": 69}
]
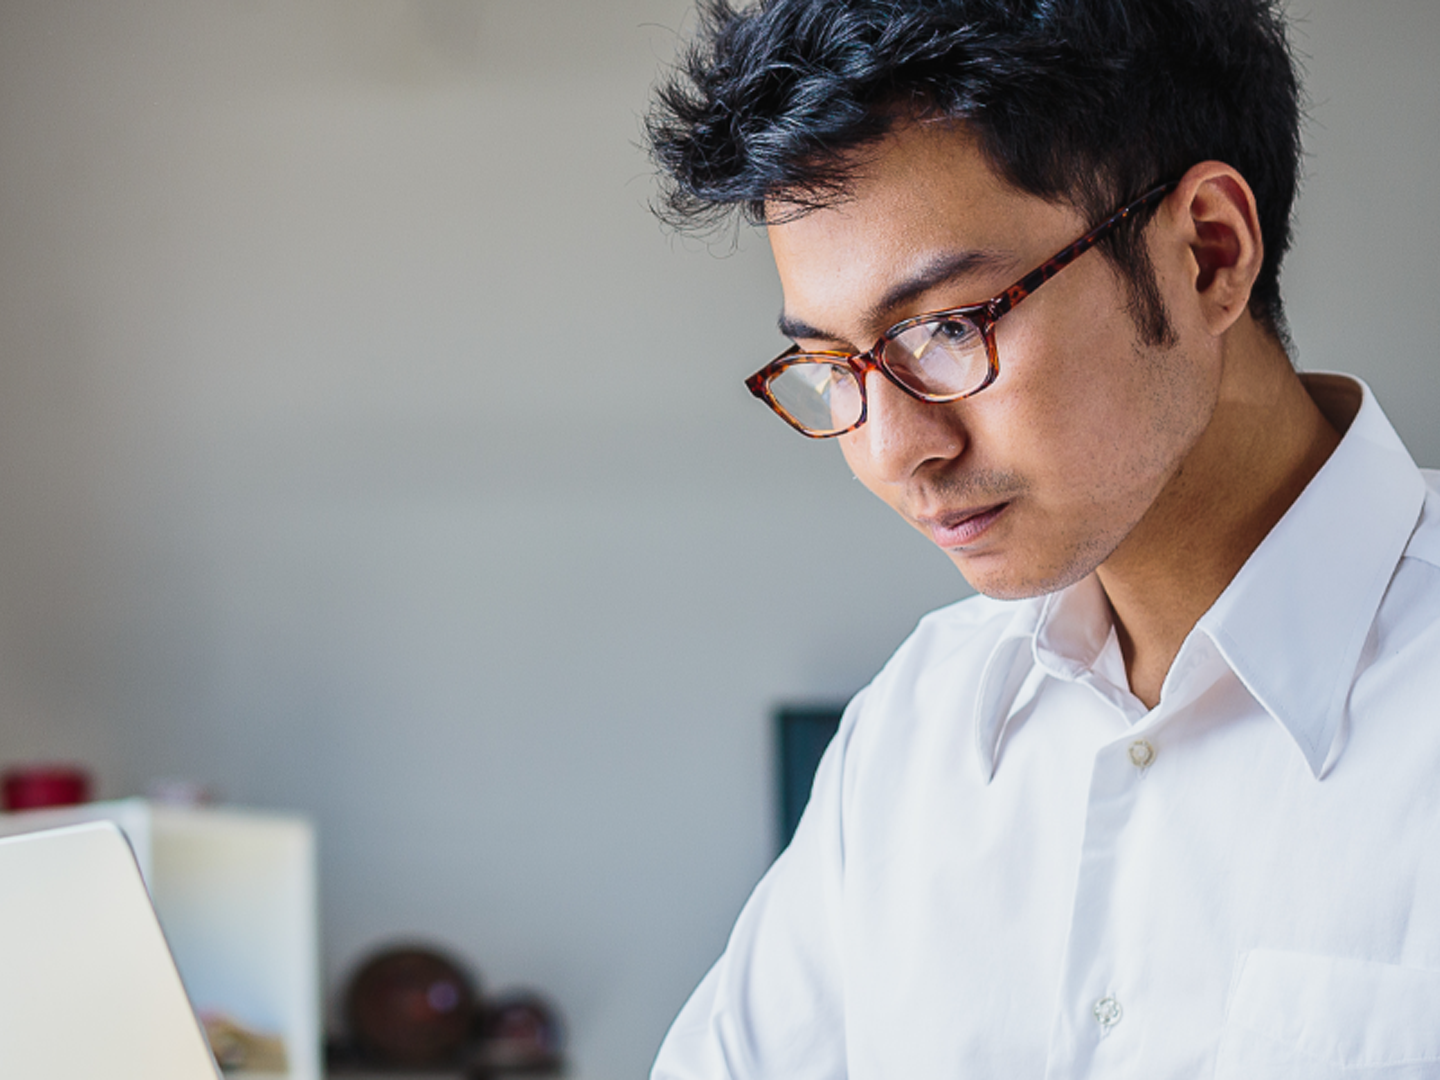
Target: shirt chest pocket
[{"x": 1294, "y": 1016}]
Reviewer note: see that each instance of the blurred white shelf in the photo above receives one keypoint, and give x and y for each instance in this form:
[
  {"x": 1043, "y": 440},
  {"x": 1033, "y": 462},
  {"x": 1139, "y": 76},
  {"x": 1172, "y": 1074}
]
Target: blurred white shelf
[{"x": 235, "y": 893}]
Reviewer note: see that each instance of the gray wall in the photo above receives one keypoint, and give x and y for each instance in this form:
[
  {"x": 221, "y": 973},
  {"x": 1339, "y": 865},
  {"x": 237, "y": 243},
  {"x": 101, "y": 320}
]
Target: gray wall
[{"x": 366, "y": 449}]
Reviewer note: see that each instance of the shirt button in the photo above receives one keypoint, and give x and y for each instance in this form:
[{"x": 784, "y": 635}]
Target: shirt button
[
  {"x": 1107, "y": 1013},
  {"x": 1141, "y": 754}
]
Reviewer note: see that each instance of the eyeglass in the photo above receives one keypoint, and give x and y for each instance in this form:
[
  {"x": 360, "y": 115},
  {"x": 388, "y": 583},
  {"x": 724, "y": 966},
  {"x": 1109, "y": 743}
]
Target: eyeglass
[{"x": 939, "y": 356}]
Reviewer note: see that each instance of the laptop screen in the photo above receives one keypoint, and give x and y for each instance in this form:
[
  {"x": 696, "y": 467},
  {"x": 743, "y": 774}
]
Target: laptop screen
[{"x": 89, "y": 988}]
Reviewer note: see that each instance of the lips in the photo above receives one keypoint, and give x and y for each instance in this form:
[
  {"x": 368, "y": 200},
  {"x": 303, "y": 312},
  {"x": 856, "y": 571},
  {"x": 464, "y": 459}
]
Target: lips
[{"x": 963, "y": 527}]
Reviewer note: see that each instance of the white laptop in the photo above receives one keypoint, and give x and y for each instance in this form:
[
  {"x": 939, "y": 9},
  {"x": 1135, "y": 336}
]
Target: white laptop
[{"x": 87, "y": 986}]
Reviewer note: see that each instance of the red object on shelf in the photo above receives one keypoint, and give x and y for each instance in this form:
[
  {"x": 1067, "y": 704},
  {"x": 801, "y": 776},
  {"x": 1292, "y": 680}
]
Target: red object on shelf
[
  {"x": 411, "y": 1007},
  {"x": 34, "y": 786}
]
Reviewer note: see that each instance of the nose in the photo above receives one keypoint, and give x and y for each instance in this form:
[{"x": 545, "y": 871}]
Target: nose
[{"x": 902, "y": 436}]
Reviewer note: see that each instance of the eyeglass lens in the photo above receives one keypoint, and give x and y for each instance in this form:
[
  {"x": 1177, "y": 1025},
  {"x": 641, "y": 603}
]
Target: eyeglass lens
[{"x": 935, "y": 359}]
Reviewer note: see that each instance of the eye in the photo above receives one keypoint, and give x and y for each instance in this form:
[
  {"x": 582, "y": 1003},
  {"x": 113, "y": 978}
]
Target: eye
[{"x": 954, "y": 334}]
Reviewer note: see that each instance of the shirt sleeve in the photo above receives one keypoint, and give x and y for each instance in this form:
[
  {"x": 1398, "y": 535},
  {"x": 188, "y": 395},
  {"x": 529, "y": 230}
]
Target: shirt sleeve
[{"x": 773, "y": 1006}]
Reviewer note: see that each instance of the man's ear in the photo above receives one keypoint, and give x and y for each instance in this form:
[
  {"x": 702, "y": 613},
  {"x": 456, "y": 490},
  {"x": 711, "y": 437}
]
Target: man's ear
[{"x": 1215, "y": 211}]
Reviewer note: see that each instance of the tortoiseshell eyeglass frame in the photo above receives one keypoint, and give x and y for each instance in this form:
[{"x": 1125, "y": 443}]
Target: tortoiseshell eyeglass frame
[{"x": 983, "y": 315}]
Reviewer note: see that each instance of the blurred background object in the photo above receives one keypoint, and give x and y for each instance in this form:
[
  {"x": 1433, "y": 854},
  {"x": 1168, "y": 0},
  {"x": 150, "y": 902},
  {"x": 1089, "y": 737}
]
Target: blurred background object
[
  {"x": 802, "y": 732},
  {"x": 367, "y": 451},
  {"x": 238, "y": 1049},
  {"x": 31, "y": 787},
  {"x": 234, "y": 891},
  {"x": 420, "y": 1008},
  {"x": 178, "y": 791},
  {"x": 411, "y": 1007},
  {"x": 521, "y": 1035}
]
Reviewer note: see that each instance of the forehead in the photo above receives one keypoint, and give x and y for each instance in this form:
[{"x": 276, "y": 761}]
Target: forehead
[{"x": 924, "y": 197}]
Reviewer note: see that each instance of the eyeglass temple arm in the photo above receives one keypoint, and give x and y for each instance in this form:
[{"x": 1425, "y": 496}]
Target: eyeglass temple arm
[{"x": 1048, "y": 269}]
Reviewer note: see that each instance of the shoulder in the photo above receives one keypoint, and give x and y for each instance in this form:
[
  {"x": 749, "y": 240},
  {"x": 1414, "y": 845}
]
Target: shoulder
[
  {"x": 934, "y": 676},
  {"x": 967, "y": 630},
  {"x": 1424, "y": 544},
  {"x": 975, "y": 621},
  {"x": 1405, "y": 636}
]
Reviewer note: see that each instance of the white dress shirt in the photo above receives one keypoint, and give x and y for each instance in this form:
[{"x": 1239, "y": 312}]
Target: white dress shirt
[{"x": 1010, "y": 868}]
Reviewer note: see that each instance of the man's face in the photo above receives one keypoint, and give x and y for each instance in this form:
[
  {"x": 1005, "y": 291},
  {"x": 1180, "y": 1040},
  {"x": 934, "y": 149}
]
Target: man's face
[{"x": 1036, "y": 481}]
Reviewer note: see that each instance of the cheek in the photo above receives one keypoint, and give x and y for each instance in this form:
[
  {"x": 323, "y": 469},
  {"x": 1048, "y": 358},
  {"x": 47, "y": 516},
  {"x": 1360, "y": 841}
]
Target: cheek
[
  {"x": 855, "y": 448},
  {"x": 1099, "y": 415},
  {"x": 1054, "y": 399}
]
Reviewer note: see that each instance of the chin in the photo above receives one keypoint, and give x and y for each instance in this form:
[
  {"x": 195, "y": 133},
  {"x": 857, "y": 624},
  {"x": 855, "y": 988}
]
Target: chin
[
  {"x": 1005, "y": 589},
  {"x": 1012, "y": 578}
]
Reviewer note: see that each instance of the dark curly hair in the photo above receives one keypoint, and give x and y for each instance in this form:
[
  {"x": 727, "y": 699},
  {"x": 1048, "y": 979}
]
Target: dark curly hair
[{"x": 1089, "y": 102}]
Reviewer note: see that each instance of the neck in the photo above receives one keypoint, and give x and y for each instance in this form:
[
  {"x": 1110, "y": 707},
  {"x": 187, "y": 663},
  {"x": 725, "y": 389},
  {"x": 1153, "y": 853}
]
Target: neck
[{"x": 1264, "y": 443}]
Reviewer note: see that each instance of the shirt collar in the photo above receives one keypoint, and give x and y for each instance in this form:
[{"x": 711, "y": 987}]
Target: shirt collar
[
  {"x": 1293, "y": 621},
  {"x": 1011, "y": 659}
]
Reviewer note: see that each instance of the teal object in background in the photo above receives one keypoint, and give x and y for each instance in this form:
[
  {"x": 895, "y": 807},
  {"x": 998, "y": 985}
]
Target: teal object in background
[{"x": 804, "y": 732}]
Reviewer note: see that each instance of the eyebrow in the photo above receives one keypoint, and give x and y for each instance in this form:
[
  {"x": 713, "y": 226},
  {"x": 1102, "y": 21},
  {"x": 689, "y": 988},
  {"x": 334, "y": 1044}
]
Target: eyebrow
[{"x": 940, "y": 270}]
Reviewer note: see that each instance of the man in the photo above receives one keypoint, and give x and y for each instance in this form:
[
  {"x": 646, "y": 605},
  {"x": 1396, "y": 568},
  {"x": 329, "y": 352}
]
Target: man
[{"x": 1162, "y": 802}]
